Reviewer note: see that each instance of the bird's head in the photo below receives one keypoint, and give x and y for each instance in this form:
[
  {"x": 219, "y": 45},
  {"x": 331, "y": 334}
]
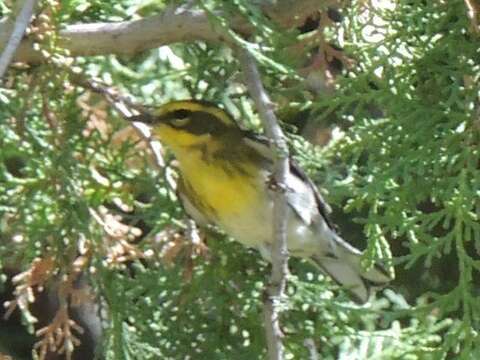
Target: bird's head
[{"x": 190, "y": 124}]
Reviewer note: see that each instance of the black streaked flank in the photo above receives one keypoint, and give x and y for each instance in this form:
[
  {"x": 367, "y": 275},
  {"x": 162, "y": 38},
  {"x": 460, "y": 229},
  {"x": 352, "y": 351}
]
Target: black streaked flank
[{"x": 210, "y": 213}]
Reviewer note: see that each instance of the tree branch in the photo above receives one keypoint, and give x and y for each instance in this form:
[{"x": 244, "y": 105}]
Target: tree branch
[
  {"x": 312, "y": 349},
  {"x": 124, "y": 107},
  {"x": 276, "y": 287},
  {"x": 16, "y": 35},
  {"x": 473, "y": 11},
  {"x": 173, "y": 25}
]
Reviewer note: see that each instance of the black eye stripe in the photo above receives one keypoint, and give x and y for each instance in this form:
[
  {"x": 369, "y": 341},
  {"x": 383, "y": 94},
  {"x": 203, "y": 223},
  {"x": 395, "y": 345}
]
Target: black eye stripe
[
  {"x": 196, "y": 122},
  {"x": 181, "y": 114}
]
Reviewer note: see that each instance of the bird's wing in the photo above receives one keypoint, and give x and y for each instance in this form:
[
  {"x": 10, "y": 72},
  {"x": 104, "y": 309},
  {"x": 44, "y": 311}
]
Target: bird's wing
[
  {"x": 305, "y": 200},
  {"x": 321, "y": 205}
]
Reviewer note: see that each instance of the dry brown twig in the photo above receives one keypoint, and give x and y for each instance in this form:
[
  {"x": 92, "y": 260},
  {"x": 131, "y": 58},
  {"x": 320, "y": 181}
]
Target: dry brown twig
[
  {"x": 189, "y": 244},
  {"x": 60, "y": 335},
  {"x": 326, "y": 52},
  {"x": 29, "y": 281},
  {"x": 119, "y": 235}
]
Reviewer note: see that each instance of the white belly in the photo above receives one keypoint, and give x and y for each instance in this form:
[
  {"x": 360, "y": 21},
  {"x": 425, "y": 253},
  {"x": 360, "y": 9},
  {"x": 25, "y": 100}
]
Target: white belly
[{"x": 255, "y": 229}]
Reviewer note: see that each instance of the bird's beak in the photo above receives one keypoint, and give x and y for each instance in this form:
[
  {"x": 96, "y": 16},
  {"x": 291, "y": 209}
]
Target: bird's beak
[{"x": 144, "y": 117}]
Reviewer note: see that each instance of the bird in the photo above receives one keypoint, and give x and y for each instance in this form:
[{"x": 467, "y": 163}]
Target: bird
[{"x": 224, "y": 180}]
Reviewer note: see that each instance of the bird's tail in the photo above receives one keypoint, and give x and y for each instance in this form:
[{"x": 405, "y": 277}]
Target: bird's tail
[{"x": 344, "y": 267}]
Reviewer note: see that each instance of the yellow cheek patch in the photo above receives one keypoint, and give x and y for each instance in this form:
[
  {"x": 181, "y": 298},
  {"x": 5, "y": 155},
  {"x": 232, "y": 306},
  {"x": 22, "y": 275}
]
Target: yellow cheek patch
[{"x": 176, "y": 138}]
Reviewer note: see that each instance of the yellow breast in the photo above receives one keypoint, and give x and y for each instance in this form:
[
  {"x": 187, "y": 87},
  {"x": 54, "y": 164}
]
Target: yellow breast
[{"x": 225, "y": 188}]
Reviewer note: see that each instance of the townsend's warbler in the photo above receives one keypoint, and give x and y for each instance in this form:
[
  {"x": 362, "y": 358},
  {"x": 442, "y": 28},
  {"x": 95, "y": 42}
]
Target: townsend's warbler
[{"x": 224, "y": 181}]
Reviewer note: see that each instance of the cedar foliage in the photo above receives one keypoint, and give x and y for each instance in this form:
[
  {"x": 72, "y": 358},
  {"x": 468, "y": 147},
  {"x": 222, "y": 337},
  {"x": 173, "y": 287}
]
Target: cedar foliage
[{"x": 87, "y": 217}]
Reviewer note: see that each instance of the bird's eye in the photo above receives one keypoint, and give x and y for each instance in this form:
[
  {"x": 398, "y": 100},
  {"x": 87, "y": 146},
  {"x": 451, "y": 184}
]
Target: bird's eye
[
  {"x": 180, "y": 122},
  {"x": 180, "y": 118}
]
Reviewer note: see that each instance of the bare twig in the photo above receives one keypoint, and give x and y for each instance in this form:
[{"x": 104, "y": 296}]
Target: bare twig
[
  {"x": 15, "y": 38},
  {"x": 173, "y": 25},
  {"x": 312, "y": 349},
  {"x": 276, "y": 287},
  {"x": 473, "y": 12},
  {"x": 119, "y": 102},
  {"x": 124, "y": 107}
]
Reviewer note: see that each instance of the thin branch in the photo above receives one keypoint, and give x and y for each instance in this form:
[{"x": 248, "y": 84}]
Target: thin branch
[
  {"x": 173, "y": 25},
  {"x": 124, "y": 107},
  {"x": 15, "y": 37},
  {"x": 312, "y": 349},
  {"x": 473, "y": 11},
  {"x": 278, "y": 278}
]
